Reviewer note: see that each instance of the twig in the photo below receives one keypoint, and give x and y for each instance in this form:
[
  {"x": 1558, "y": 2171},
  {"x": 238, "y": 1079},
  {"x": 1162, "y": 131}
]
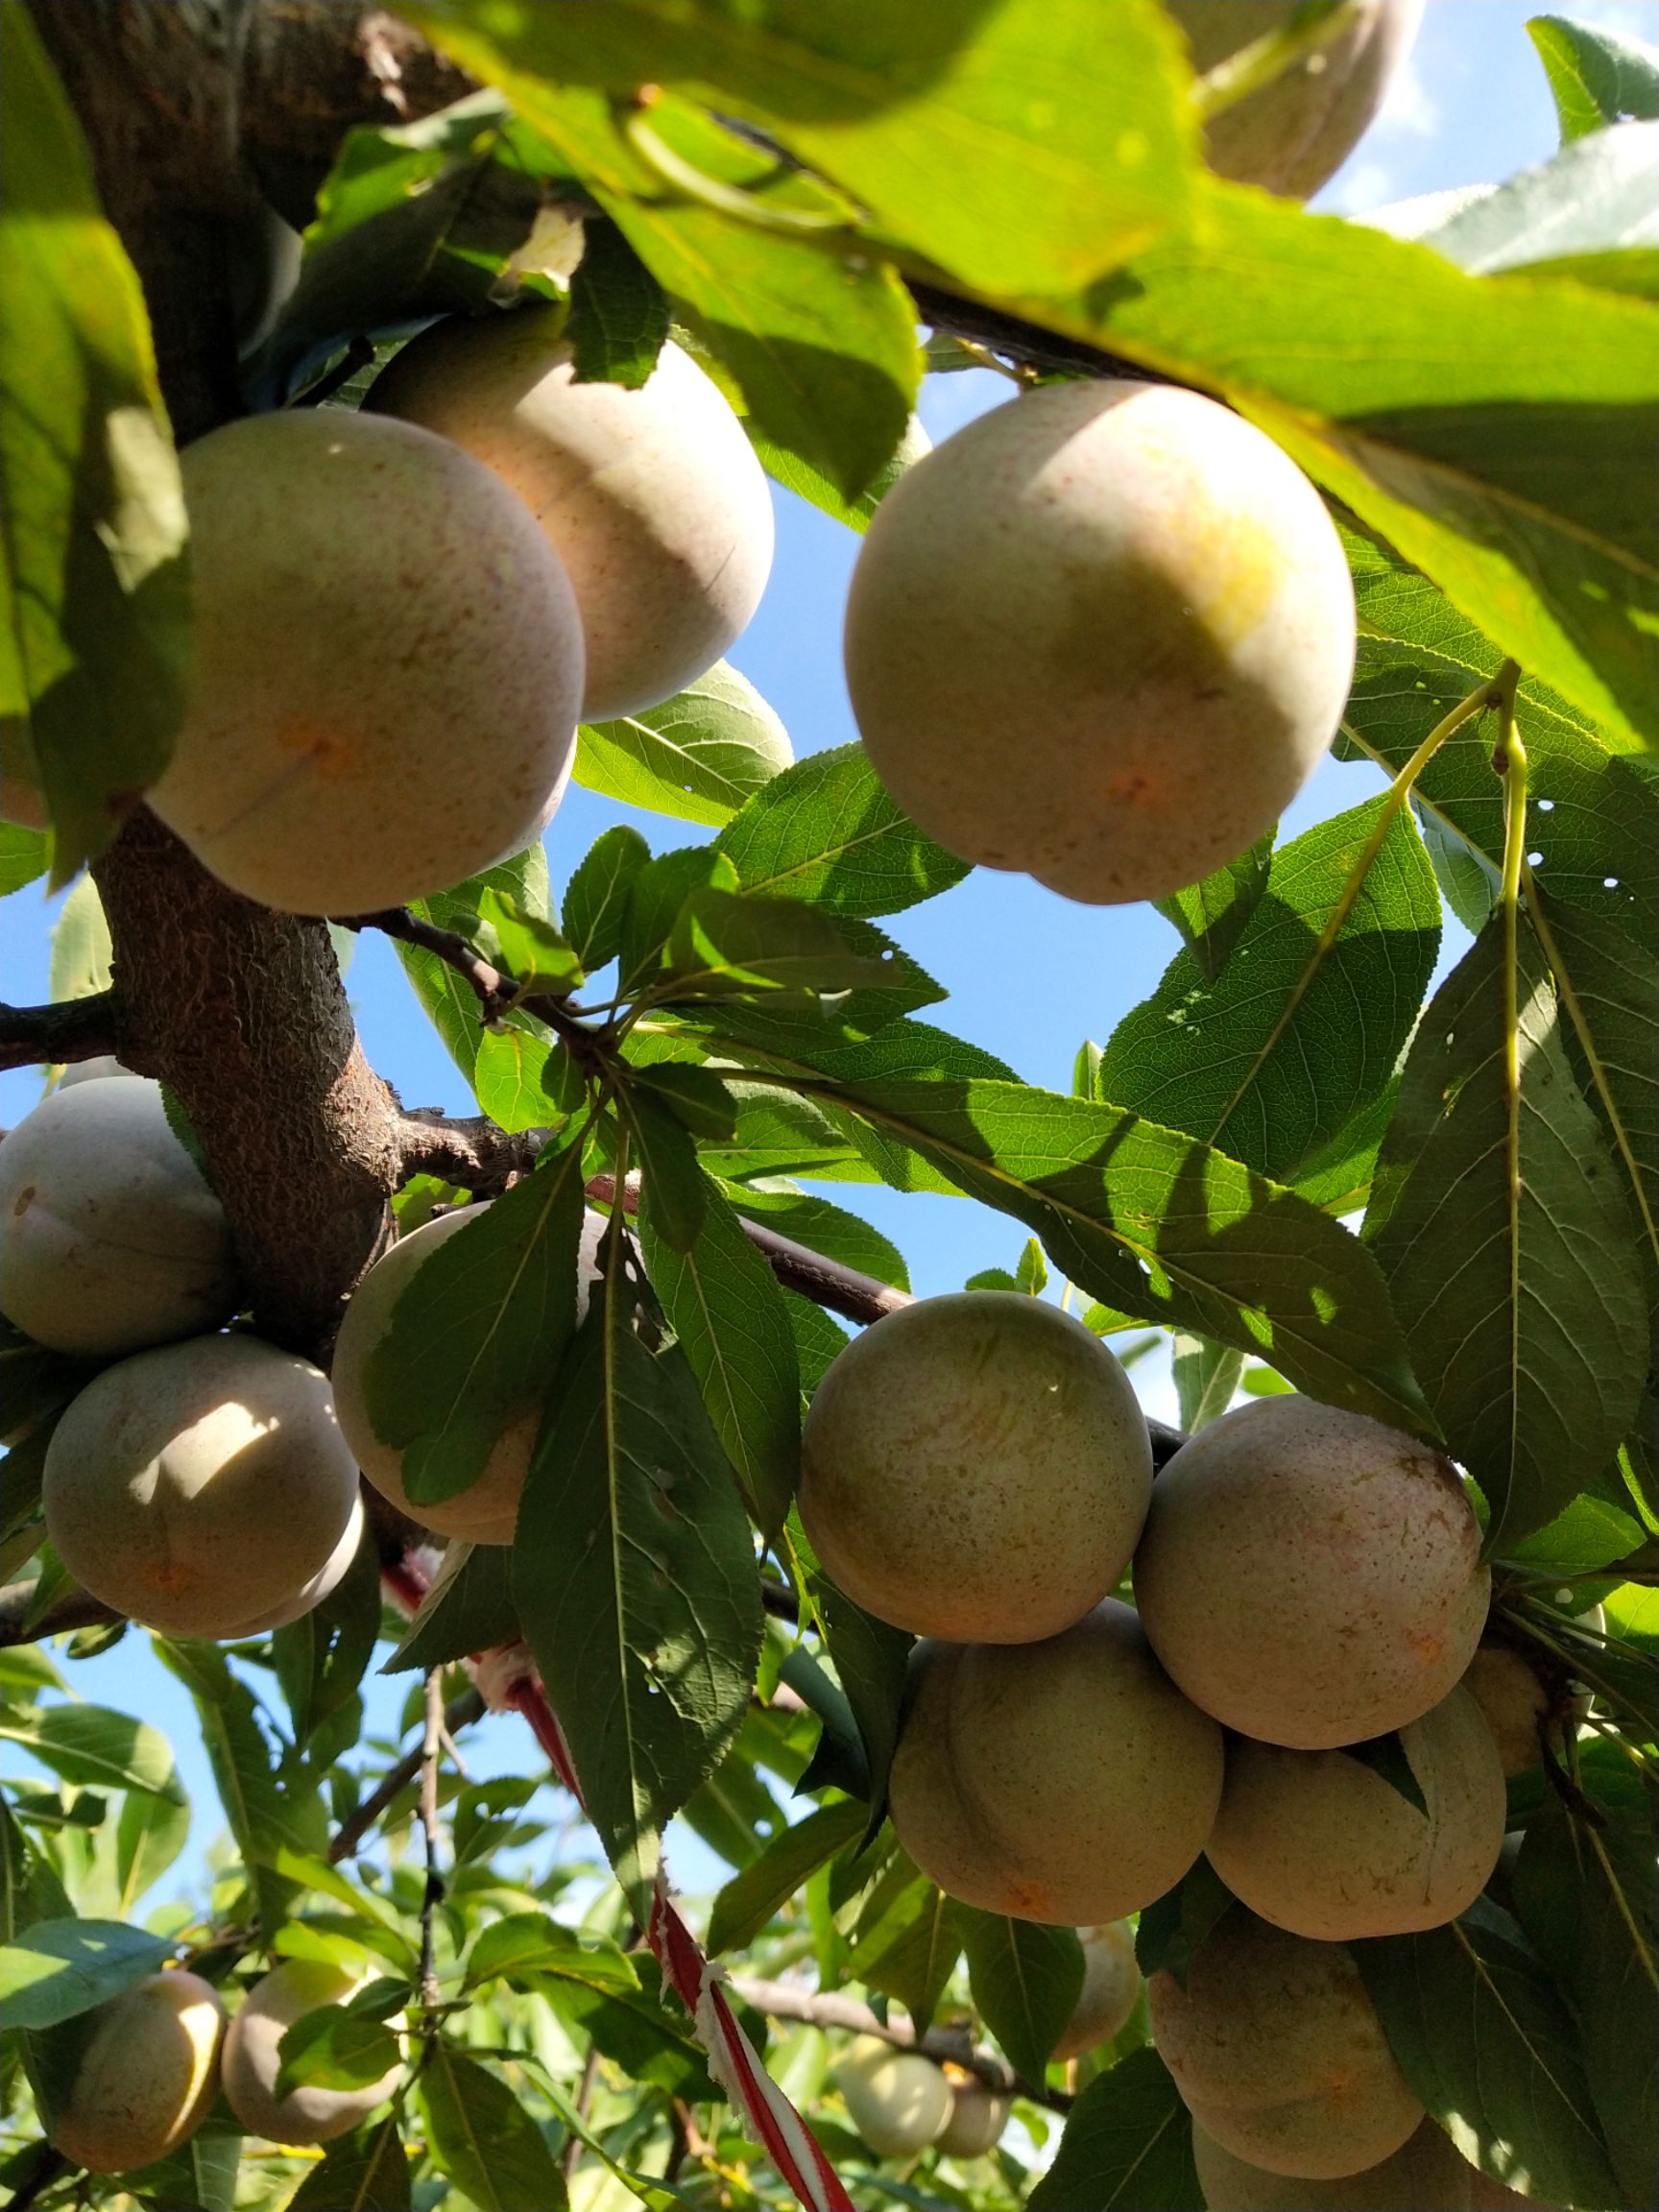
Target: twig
[
  {"x": 431, "y": 1744},
  {"x": 460, "y": 1713},
  {"x": 74, "y": 1609},
  {"x": 1018, "y": 340},
  {"x": 495, "y": 992},
  {"x": 572, "y": 2153},
  {"x": 69, "y": 1029},
  {"x": 834, "y": 2009},
  {"x": 51, "y": 2167}
]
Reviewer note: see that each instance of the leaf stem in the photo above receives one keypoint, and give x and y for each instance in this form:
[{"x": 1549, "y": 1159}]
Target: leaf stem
[{"x": 1312, "y": 26}]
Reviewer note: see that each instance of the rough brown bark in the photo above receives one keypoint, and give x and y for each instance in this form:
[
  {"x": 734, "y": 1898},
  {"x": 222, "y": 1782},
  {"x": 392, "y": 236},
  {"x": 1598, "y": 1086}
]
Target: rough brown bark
[{"x": 186, "y": 106}]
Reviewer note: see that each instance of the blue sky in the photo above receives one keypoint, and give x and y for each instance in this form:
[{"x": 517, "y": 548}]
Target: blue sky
[{"x": 1030, "y": 975}]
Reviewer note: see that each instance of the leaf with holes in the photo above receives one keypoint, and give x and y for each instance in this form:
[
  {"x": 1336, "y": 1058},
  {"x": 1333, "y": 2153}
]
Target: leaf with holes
[
  {"x": 1303, "y": 1026},
  {"x": 633, "y": 1577},
  {"x": 1511, "y": 1249},
  {"x": 698, "y": 756}
]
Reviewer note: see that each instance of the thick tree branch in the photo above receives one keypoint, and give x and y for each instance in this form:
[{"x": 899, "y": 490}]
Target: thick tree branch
[
  {"x": 473, "y": 1154},
  {"x": 494, "y": 991},
  {"x": 74, "y": 1609},
  {"x": 71, "y": 1029}
]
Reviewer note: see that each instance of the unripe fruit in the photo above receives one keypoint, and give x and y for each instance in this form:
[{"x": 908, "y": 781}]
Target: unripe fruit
[
  {"x": 976, "y": 1467},
  {"x": 1104, "y": 635},
  {"x": 199, "y": 1488},
  {"x": 1297, "y": 131},
  {"x": 1309, "y": 1576},
  {"x": 253, "y": 2058},
  {"x": 1110, "y": 1985},
  {"x": 1066, "y": 1781},
  {"x": 146, "y": 2075},
  {"x": 978, "y": 2116},
  {"x": 487, "y": 1513},
  {"x": 1320, "y": 1843},
  {"x": 388, "y": 664},
  {"x": 310, "y": 1595},
  {"x": 653, "y": 499},
  {"x": 899, "y": 2101},
  {"x": 109, "y": 1237},
  {"x": 1517, "y": 1701},
  {"x": 1277, "y": 2051},
  {"x": 1426, "y": 2174}
]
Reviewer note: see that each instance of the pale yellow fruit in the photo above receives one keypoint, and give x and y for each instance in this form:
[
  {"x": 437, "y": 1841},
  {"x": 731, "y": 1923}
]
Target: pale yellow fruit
[
  {"x": 976, "y": 1467},
  {"x": 487, "y": 1513},
  {"x": 899, "y": 2101},
  {"x": 1110, "y": 1985},
  {"x": 310, "y": 1595},
  {"x": 388, "y": 664},
  {"x": 146, "y": 2075},
  {"x": 1320, "y": 1843},
  {"x": 94, "y": 1070},
  {"x": 200, "y": 1487},
  {"x": 1296, "y": 131},
  {"x": 109, "y": 1237},
  {"x": 252, "y": 2059},
  {"x": 1425, "y": 2175},
  {"x": 1277, "y": 2051},
  {"x": 653, "y": 499},
  {"x": 1309, "y": 1576},
  {"x": 1103, "y": 634},
  {"x": 977, "y": 2118},
  {"x": 1514, "y": 1697},
  {"x": 1066, "y": 1781}
]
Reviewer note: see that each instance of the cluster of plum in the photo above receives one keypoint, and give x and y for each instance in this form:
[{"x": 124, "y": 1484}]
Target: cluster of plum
[
  {"x": 153, "y": 2060},
  {"x": 1308, "y": 1600}
]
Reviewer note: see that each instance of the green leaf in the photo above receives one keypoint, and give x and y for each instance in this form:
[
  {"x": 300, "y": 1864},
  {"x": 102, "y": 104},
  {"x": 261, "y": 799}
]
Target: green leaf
[
  {"x": 478, "y": 1330},
  {"x": 670, "y": 1181},
  {"x": 56, "y": 1969},
  {"x": 321, "y": 1657},
  {"x": 1170, "y": 1929},
  {"x": 469, "y": 1608},
  {"x": 597, "y": 897},
  {"x": 24, "y": 854},
  {"x": 656, "y": 895},
  {"x": 202, "y": 2172},
  {"x": 823, "y": 1226},
  {"x": 726, "y": 1308},
  {"x": 634, "y": 1581},
  {"x": 699, "y": 756},
  {"x": 1303, "y": 1026},
  {"x": 909, "y": 1940},
  {"x": 525, "y": 943},
  {"x": 1490, "y": 2049},
  {"x": 698, "y": 1098},
  {"x": 89, "y": 1745},
  {"x": 1128, "y": 2145},
  {"x": 150, "y": 1834},
  {"x": 636, "y": 2032},
  {"x": 1584, "y": 1893},
  {"x": 524, "y": 1080},
  {"x": 1534, "y": 1349},
  {"x": 335, "y": 2048},
  {"x": 825, "y": 831},
  {"x": 1585, "y": 1535},
  {"x": 94, "y": 604},
  {"x": 1597, "y": 77},
  {"x": 619, "y": 317},
  {"x": 1162, "y": 1228},
  {"x": 1207, "y": 1377},
  {"x": 1008, "y": 144},
  {"x": 449, "y": 1000},
  {"x": 368, "y": 2172},
  {"x": 532, "y": 1943},
  {"x": 1211, "y": 915},
  {"x": 734, "y": 944},
  {"x": 1511, "y": 468},
  {"x": 872, "y": 1659},
  {"x": 1593, "y": 203},
  {"x": 1026, "y": 1980},
  {"x": 484, "y": 2139},
  {"x": 750, "y": 1899},
  {"x": 1467, "y": 882},
  {"x": 414, "y": 221},
  {"x": 811, "y": 484}
]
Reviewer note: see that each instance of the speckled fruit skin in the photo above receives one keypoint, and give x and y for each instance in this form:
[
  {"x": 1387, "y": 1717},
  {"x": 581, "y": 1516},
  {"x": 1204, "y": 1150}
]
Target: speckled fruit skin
[
  {"x": 653, "y": 499},
  {"x": 1110, "y": 1985},
  {"x": 388, "y": 664},
  {"x": 1103, "y": 634},
  {"x": 1321, "y": 1844},
  {"x": 110, "y": 1239},
  {"x": 146, "y": 2076},
  {"x": 199, "y": 1487},
  {"x": 976, "y": 1467},
  {"x": 899, "y": 2101},
  {"x": 1277, "y": 2051},
  {"x": 1066, "y": 1781},
  {"x": 1425, "y": 2175},
  {"x": 489, "y": 1512},
  {"x": 1296, "y": 133},
  {"x": 1309, "y": 1576},
  {"x": 328, "y": 1577},
  {"x": 252, "y": 2059},
  {"x": 978, "y": 2116},
  {"x": 1513, "y": 1696}
]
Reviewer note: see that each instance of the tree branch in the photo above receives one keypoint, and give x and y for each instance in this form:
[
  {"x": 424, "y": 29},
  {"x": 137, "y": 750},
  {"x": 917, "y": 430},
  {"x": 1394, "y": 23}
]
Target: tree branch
[
  {"x": 1017, "y": 339},
  {"x": 473, "y": 1154},
  {"x": 74, "y": 1609},
  {"x": 70, "y": 1029},
  {"x": 460, "y": 1713},
  {"x": 494, "y": 991}
]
